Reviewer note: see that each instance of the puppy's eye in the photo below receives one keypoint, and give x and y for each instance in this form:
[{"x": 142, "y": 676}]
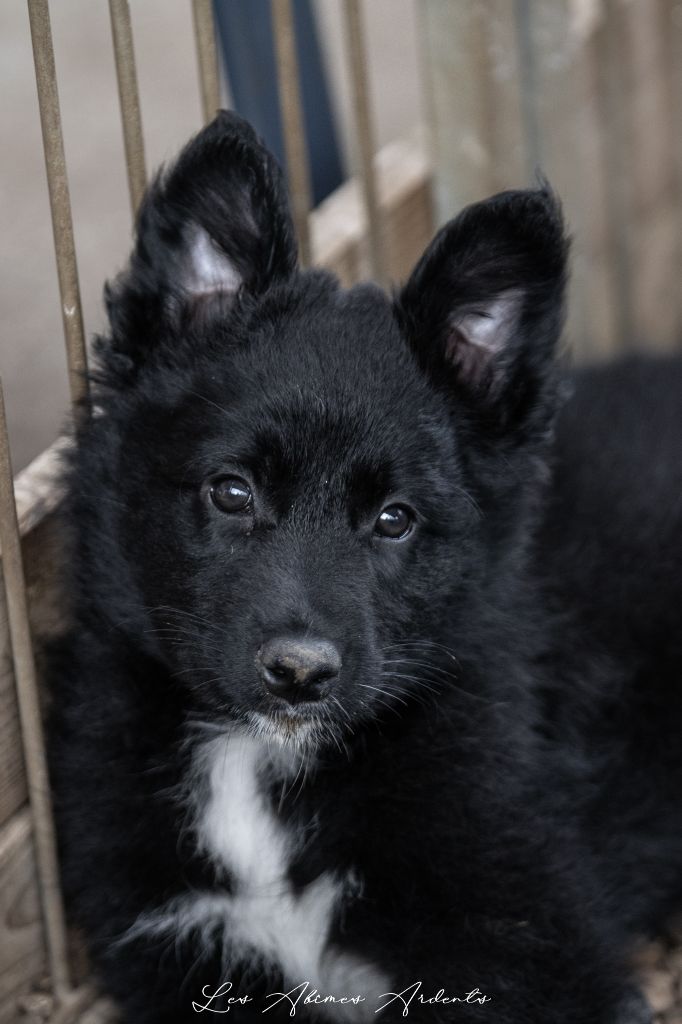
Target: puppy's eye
[
  {"x": 231, "y": 494},
  {"x": 394, "y": 523}
]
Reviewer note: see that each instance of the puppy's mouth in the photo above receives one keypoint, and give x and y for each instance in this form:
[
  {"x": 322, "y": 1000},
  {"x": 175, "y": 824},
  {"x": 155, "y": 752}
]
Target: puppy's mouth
[
  {"x": 294, "y": 717},
  {"x": 307, "y": 726}
]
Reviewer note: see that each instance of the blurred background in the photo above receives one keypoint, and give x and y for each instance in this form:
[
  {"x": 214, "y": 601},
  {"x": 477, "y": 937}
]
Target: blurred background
[{"x": 480, "y": 94}]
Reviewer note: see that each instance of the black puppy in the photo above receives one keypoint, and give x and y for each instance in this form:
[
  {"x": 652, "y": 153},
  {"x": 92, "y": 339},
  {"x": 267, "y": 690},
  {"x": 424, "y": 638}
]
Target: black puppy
[{"x": 371, "y": 700}]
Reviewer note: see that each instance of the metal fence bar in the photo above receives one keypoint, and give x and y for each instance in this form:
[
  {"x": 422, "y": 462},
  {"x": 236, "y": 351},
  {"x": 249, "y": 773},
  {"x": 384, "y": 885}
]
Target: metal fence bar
[
  {"x": 129, "y": 99},
  {"x": 365, "y": 134},
  {"x": 31, "y": 723},
  {"x": 60, "y": 205},
  {"x": 207, "y": 56},
  {"x": 292, "y": 121}
]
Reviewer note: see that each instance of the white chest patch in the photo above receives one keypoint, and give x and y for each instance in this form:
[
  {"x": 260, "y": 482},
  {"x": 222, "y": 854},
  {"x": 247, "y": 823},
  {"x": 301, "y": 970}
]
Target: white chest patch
[
  {"x": 239, "y": 830},
  {"x": 264, "y": 920}
]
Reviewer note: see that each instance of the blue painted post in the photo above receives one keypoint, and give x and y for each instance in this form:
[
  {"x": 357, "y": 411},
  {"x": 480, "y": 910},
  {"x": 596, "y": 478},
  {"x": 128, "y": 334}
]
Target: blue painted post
[{"x": 246, "y": 42}]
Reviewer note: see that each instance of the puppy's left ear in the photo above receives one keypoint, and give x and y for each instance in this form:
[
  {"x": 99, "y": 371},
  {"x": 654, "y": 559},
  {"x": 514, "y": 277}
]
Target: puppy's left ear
[
  {"x": 483, "y": 309},
  {"x": 213, "y": 223}
]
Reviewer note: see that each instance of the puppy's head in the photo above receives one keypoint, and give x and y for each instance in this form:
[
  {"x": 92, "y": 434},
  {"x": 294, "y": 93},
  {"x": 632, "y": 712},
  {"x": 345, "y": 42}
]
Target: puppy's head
[{"x": 309, "y": 495}]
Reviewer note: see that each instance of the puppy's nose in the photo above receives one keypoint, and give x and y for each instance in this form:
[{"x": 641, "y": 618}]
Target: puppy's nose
[{"x": 297, "y": 669}]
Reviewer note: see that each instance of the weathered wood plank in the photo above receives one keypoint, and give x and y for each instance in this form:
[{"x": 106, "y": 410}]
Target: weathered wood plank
[
  {"x": 37, "y": 489},
  {"x": 653, "y": 188},
  {"x": 102, "y": 1012},
  {"x": 22, "y": 954},
  {"x": 474, "y": 89},
  {"x": 338, "y": 225},
  {"x": 672, "y": 28},
  {"x": 573, "y": 137},
  {"x": 37, "y": 494},
  {"x": 550, "y": 43},
  {"x": 457, "y": 88},
  {"x": 511, "y": 165},
  {"x": 12, "y": 780},
  {"x": 595, "y": 323},
  {"x": 42, "y": 553}
]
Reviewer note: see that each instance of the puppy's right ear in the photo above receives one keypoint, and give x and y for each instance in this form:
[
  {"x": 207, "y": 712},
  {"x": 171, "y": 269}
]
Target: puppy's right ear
[
  {"x": 483, "y": 309},
  {"x": 215, "y": 222}
]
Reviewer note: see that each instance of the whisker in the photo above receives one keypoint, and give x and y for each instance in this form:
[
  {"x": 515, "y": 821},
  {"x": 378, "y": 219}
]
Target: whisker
[
  {"x": 386, "y": 693},
  {"x": 420, "y": 664},
  {"x": 418, "y": 645}
]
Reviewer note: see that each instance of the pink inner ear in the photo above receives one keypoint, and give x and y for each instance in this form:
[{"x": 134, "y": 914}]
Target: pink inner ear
[
  {"x": 477, "y": 335},
  {"x": 470, "y": 361},
  {"x": 208, "y": 270}
]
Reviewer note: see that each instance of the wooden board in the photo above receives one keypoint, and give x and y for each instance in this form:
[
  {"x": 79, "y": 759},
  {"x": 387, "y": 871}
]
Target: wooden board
[
  {"x": 42, "y": 551},
  {"x": 37, "y": 493},
  {"x": 102, "y": 1012},
  {"x": 339, "y": 227},
  {"x": 474, "y": 114},
  {"x": 12, "y": 780},
  {"x": 22, "y": 956},
  {"x": 654, "y": 187}
]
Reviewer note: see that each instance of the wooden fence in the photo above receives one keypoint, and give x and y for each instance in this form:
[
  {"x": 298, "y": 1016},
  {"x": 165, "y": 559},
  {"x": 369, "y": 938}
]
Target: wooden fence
[{"x": 589, "y": 92}]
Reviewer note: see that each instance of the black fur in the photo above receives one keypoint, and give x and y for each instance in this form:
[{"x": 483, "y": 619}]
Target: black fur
[{"x": 509, "y": 795}]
